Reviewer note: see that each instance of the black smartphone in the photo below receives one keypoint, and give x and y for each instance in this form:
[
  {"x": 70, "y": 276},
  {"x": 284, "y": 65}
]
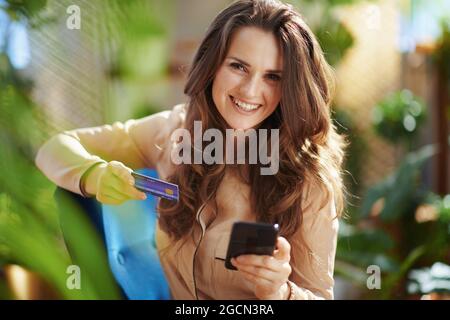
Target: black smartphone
[{"x": 251, "y": 238}]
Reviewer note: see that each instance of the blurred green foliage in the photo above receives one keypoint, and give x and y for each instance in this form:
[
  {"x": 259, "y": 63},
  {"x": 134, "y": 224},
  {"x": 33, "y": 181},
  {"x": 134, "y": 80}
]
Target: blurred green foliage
[
  {"x": 333, "y": 36},
  {"x": 364, "y": 247},
  {"x": 411, "y": 222},
  {"x": 387, "y": 231},
  {"x": 400, "y": 225},
  {"x": 29, "y": 228},
  {"x": 26, "y": 11},
  {"x": 401, "y": 191},
  {"x": 18, "y": 9},
  {"x": 398, "y": 117},
  {"x": 141, "y": 30},
  {"x": 137, "y": 39}
]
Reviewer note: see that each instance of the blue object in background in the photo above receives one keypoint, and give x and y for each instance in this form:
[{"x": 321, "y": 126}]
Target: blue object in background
[{"x": 130, "y": 240}]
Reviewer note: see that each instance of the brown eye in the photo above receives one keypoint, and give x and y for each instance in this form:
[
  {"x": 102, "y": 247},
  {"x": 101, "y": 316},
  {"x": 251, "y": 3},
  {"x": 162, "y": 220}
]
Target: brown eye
[
  {"x": 237, "y": 66},
  {"x": 273, "y": 77}
]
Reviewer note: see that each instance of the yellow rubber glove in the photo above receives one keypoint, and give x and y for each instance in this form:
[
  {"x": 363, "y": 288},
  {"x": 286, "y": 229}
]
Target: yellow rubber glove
[{"x": 112, "y": 183}]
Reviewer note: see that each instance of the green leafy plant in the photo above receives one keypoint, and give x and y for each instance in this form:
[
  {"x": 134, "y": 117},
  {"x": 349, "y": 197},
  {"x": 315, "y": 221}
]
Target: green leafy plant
[
  {"x": 332, "y": 35},
  {"x": 29, "y": 228},
  {"x": 399, "y": 116},
  {"x": 396, "y": 203},
  {"x": 365, "y": 247},
  {"x": 400, "y": 192}
]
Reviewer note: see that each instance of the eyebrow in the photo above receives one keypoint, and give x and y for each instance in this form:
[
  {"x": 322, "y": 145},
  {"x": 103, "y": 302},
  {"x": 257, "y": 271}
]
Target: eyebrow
[{"x": 248, "y": 65}]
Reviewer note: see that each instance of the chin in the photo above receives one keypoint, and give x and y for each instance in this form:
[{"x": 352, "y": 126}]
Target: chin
[{"x": 242, "y": 125}]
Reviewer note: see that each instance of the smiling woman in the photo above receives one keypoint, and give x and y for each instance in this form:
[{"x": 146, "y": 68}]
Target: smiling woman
[
  {"x": 247, "y": 86},
  {"x": 259, "y": 67}
]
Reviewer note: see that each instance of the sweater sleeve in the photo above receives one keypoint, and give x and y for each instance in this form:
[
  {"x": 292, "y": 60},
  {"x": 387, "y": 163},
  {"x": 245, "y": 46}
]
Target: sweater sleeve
[
  {"x": 65, "y": 157},
  {"x": 313, "y": 247}
]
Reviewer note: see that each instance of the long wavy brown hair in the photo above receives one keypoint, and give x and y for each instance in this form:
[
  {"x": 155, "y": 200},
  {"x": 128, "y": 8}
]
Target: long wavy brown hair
[{"x": 309, "y": 148}]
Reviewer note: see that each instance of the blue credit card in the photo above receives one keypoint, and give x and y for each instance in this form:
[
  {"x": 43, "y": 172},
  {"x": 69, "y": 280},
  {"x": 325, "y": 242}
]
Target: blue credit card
[{"x": 156, "y": 187}]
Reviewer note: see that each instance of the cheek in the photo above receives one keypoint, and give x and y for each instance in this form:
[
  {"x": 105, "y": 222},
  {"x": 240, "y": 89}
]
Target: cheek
[
  {"x": 225, "y": 81},
  {"x": 274, "y": 96},
  {"x": 217, "y": 88}
]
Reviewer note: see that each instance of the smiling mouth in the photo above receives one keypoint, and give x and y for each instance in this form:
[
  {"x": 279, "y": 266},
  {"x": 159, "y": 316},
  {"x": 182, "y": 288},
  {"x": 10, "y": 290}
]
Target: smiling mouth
[{"x": 246, "y": 107}]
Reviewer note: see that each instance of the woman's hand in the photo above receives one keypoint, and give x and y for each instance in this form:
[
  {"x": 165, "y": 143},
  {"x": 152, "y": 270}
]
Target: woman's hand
[
  {"x": 112, "y": 183},
  {"x": 268, "y": 274}
]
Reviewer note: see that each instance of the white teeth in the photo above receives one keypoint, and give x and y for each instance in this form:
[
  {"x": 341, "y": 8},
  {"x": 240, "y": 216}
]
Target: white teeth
[{"x": 245, "y": 106}]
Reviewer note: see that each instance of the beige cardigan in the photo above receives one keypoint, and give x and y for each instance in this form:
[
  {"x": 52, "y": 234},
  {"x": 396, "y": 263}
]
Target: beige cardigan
[{"x": 146, "y": 143}]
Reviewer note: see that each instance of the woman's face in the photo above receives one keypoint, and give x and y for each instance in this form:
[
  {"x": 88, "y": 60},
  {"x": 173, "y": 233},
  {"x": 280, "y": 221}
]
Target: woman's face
[{"x": 246, "y": 88}]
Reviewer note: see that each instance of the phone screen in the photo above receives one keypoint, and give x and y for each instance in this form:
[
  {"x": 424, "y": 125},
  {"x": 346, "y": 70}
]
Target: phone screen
[{"x": 251, "y": 238}]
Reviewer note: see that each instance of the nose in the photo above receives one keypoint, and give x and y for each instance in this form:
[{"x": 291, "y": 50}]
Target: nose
[{"x": 250, "y": 87}]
